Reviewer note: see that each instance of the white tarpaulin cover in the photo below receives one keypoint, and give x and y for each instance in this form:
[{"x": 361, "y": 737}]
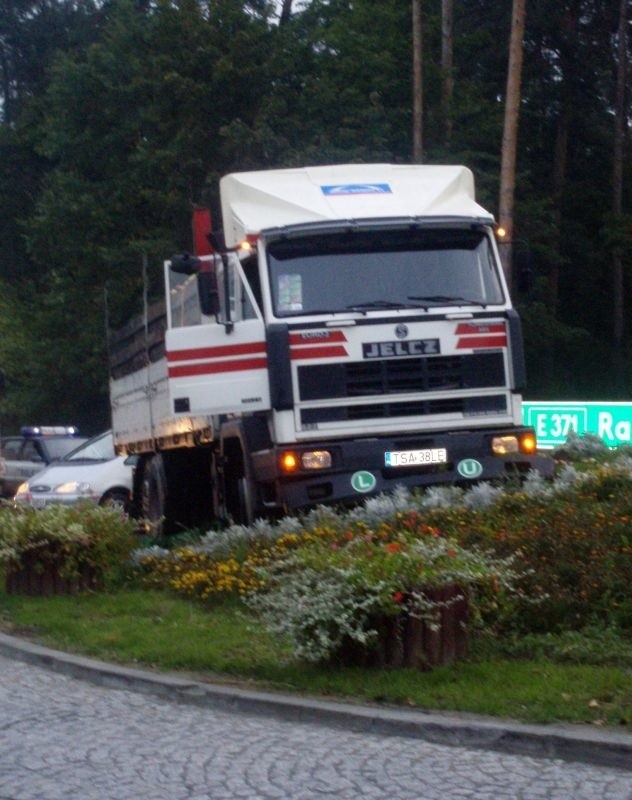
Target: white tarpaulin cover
[{"x": 255, "y": 201}]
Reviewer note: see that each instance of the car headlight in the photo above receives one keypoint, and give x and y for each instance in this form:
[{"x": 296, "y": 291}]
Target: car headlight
[
  {"x": 74, "y": 487},
  {"x": 22, "y": 491}
]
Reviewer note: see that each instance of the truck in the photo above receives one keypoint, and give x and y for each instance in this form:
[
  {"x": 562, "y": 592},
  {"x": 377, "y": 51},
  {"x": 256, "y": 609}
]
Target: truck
[{"x": 348, "y": 331}]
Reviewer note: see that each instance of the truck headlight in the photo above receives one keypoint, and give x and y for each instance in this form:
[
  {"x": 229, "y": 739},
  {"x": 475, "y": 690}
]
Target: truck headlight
[
  {"x": 293, "y": 460},
  {"x": 512, "y": 443}
]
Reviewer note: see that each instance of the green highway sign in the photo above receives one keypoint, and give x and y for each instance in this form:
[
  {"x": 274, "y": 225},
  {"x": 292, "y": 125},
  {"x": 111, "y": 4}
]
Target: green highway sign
[{"x": 553, "y": 421}]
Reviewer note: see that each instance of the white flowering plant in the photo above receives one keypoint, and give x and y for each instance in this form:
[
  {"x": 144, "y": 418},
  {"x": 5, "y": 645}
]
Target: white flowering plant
[{"x": 335, "y": 588}]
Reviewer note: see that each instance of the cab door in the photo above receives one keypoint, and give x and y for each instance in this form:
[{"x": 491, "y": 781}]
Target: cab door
[{"x": 220, "y": 365}]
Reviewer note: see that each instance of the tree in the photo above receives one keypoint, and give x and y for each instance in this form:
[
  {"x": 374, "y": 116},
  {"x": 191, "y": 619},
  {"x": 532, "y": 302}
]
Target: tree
[
  {"x": 338, "y": 89},
  {"x": 286, "y": 12},
  {"x": 131, "y": 130},
  {"x": 447, "y": 65},
  {"x": 32, "y": 32},
  {"x": 510, "y": 133},
  {"x": 620, "y": 123},
  {"x": 417, "y": 82}
]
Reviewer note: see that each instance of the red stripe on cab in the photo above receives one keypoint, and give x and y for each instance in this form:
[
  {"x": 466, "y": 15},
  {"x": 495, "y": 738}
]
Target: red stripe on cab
[
  {"x": 474, "y": 342},
  {"x": 469, "y": 328},
  {"x": 211, "y": 368},
  {"x": 322, "y": 351},
  {"x": 221, "y": 351},
  {"x": 325, "y": 337}
]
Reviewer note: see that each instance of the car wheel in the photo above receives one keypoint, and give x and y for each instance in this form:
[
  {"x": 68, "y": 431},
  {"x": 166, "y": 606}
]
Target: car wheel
[{"x": 117, "y": 498}]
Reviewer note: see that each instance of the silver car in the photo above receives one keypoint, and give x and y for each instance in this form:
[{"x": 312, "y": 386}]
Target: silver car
[
  {"x": 27, "y": 453},
  {"x": 91, "y": 472}
]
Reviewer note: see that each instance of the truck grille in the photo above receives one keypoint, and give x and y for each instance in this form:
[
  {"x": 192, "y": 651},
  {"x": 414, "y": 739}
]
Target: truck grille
[
  {"x": 467, "y": 406},
  {"x": 396, "y": 376}
]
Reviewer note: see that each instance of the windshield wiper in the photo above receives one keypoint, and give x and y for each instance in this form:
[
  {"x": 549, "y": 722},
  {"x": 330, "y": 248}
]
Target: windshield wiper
[
  {"x": 441, "y": 299},
  {"x": 363, "y": 307}
]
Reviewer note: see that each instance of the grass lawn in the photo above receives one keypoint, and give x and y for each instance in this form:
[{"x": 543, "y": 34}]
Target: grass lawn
[{"x": 225, "y": 643}]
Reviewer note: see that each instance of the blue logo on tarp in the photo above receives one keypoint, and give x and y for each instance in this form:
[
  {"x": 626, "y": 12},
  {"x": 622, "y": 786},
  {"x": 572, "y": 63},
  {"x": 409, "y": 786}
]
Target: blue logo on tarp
[{"x": 356, "y": 188}]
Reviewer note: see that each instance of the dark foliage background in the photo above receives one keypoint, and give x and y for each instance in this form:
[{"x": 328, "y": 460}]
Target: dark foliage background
[{"x": 117, "y": 117}]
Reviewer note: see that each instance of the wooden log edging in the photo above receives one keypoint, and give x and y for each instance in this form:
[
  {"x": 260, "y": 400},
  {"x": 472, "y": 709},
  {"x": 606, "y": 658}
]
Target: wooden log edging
[
  {"x": 407, "y": 640},
  {"x": 40, "y": 573}
]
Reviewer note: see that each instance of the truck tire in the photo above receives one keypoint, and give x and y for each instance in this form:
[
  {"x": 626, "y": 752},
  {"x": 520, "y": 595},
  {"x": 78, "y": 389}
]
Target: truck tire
[
  {"x": 239, "y": 505},
  {"x": 154, "y": 496}
]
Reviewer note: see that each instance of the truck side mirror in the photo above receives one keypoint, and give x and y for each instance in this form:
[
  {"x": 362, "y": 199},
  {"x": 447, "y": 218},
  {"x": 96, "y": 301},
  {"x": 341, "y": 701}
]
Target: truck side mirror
[
  {"x": 208, "y": 293},
  {"x": 217, "y": 241},
  {"x": 185, "y": 264}
]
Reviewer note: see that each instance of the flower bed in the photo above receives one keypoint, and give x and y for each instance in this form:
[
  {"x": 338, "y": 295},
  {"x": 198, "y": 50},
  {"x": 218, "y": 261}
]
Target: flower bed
[
  {"x": 62, "y": 549},
  {"x": 399, "y": 593},
  {"x": 363, "y": 585}
]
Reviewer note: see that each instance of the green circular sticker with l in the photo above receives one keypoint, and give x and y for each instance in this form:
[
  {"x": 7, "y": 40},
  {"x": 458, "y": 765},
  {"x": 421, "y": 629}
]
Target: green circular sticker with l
[
  {"x": 363, "y": 481},
  {"x": 470, "y": 468}
]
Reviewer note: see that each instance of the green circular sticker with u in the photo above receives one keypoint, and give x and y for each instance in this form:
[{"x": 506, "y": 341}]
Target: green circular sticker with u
[
  {"x": 363, "y": 481},
  {"x": 470, "y": 468}
]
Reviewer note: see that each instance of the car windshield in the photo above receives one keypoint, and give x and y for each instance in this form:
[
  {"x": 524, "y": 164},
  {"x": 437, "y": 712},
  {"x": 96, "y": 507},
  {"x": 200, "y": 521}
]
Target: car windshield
[
  {"x": 101, "y": 448},
  {"x": 60, "y": 448},
  {"x": 368, "y": 270}
]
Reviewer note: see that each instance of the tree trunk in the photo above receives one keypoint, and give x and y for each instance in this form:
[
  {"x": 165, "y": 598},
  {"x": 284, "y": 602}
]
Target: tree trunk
[
  {"x": 559, "y": 182},
  {"x": 617, "y": 175},
  {"x": 510, "y": 134},
  {"x": 570, "y": 22},
  {"x": 286, "y": 12},
  {"x": 417, "y": 84},
  {"x": 447, "y": 65}
]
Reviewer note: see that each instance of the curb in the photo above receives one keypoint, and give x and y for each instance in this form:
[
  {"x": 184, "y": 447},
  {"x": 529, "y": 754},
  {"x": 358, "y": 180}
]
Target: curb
[{"x": 579, "y": 743}]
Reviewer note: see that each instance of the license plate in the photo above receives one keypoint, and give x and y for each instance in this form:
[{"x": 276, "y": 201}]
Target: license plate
[{"x": 416, "y": 458}]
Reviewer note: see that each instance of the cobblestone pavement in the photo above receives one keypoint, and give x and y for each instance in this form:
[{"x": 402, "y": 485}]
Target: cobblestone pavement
[{"x": 62, "y": 738}]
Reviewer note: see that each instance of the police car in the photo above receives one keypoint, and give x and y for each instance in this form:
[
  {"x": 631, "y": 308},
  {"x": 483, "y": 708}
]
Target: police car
[
  {"x": 24, "y": 455},
  {"x": 92, "y": 472}
]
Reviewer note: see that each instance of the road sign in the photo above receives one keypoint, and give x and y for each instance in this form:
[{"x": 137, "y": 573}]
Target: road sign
[{"x": 553, "y": 421}]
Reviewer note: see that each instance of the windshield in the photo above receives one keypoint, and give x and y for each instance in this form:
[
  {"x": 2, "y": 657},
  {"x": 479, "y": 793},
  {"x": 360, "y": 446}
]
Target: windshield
[
  {"x": 59, "y": 448},
  {"x": 382, "y": 269},
  {"x": 101, "y": 448}
]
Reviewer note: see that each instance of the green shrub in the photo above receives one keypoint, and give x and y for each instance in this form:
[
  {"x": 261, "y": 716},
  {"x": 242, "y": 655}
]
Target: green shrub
[
  {"x": 76, "y": 539},
  {"x": 574, "y": 542}
]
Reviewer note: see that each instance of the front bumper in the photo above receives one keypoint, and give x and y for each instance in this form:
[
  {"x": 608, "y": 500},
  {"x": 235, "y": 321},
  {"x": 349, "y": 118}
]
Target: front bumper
[{"x": 359, "y": 470}]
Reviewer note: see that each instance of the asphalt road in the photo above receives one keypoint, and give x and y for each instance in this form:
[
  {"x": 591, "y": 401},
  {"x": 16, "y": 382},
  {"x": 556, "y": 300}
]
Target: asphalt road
[{"x": 64, "y": 737}]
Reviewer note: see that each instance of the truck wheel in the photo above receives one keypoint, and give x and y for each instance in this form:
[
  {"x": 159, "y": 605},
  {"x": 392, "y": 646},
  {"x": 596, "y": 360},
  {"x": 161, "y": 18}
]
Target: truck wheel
[
  {"x": 245, "y": 501},
  {"x": 154, "y": 497},
  {"x": 238, "y": 500},
  {"x": 238, "y": 497}
]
